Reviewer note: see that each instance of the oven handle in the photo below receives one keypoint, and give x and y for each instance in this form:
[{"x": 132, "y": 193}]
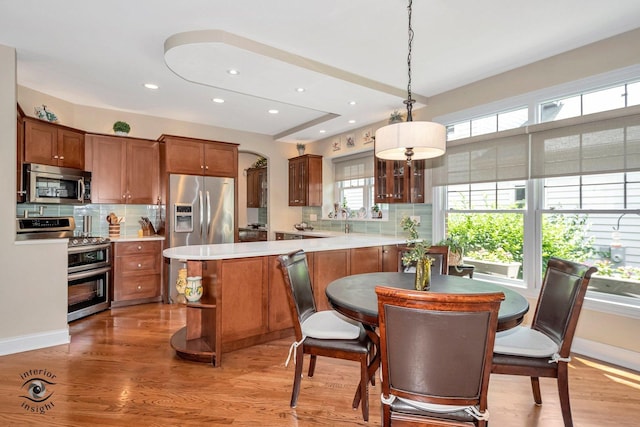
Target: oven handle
[
  {"x": 89, "y": 273},
  {"x": 88, "y": 248}
]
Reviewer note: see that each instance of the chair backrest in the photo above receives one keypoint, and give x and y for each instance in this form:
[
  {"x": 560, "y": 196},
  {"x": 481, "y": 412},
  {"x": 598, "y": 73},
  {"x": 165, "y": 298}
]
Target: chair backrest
[
  {"x": 560, "y": 302},
  {"x": 299, "y": 291},
  {"x": 437, "y": 348},
  {"x": 440, "y": 254}
]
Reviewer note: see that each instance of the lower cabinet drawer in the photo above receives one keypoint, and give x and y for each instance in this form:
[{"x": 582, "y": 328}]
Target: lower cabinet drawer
[
  {"x": 148, "y": 263},
  {"x": 136, "y": 287}
]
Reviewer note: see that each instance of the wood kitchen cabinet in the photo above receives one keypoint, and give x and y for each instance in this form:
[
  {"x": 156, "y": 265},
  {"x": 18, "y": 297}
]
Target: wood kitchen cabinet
[
  {"x": 200, "y": 157},
  {"x": 257, "y": 187},
  {"x": 137, "y": 272},
  {"x": 327, "y": 267},
  {"x": 305, "y": 180},
  {"x": 51, "y": 144},
  {"x": 366, "y": 260},
  {"x": 124, "y": 170},
  {"x": 396, "y": 182}
]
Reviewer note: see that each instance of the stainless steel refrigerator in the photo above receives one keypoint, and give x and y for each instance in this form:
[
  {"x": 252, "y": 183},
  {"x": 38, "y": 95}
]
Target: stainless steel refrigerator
[{"x": 200, "y": 212}]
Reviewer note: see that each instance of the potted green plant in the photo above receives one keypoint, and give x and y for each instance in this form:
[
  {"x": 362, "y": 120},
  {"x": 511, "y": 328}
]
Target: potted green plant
[
  {"x": 121, "y": 128},
  {"x": 456, "y": 249},
  {"x": 300, "y": 148},
  {"x": 375, "y": 211},
  {"x": 395, "y": 117}
]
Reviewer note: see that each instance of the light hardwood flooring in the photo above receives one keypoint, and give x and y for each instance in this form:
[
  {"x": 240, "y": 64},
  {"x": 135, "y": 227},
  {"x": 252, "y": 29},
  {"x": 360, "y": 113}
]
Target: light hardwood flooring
[{"x": 120, "y": 370}]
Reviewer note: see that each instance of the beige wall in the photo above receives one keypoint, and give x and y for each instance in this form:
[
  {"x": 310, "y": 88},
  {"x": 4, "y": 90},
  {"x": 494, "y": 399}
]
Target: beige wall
[{"x": 33, "y": 289}]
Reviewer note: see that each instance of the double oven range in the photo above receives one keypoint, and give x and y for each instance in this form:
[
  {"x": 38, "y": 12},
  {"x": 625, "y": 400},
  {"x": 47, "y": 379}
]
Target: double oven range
[{"x": 89, "y": 263}]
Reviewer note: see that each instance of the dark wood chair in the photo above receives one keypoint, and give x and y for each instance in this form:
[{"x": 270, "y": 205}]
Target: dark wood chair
[
  {"x": 543, "y": 350},
  {"x": 436, "y": 356},
  {"x": 441, "y": 256},
  {"x": 322, "y": 333}
]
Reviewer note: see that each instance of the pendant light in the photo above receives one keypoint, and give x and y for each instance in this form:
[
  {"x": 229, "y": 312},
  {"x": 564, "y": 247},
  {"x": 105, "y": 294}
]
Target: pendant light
[{"x": 410, "y": 140}]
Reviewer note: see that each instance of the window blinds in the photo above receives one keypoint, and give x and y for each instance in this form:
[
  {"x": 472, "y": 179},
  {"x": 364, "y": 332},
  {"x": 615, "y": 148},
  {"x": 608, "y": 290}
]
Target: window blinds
[
  {"x": 353, "y": 167},
  {"x": 598, "y": 143},
  {"x": 501, "y": 156}
]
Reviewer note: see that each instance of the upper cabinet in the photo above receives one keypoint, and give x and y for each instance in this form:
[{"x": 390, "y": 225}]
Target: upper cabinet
[
  {"x": 51, "y": 144},
  {"x": 200, "y": 157},
  {"x": 124, "y": 170},
  {"x": 257, "y": 187},
  {"x": 396, "y": 182},
  {"x": 305, "y": 180}
]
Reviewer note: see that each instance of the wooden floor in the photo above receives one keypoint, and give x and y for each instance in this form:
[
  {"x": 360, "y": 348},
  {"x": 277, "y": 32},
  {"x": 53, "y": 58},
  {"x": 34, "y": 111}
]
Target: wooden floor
[{"x": 119, "y": 369}]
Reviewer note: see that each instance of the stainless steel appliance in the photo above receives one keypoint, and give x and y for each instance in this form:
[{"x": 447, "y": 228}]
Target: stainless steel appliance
[
  {"x": 52, "y": 184},
  {"x": 88, "y": 267},
  {"x": 201, "y": 211}
]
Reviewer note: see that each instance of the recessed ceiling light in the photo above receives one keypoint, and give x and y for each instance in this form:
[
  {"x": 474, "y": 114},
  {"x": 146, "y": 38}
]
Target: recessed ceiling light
[
  {"x": 273, "y": 111},
  {"x": 352, "y": 103},
  {"x": 299, "y": 89},
  {"x": 233, "y": 72},
  {"x": 218, "y": 100},
  {"x": 323, "y": 131},
  {"x": 352, "y": 121},
  {"x": 151, "y": 86}
]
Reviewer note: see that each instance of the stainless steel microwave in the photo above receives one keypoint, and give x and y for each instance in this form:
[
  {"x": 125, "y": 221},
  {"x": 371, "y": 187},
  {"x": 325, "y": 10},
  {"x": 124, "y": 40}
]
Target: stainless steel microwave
[{"x": 52, "y": 184}]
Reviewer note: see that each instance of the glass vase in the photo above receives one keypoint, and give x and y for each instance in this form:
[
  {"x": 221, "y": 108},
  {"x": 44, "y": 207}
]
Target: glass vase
[{"x": 423, "y": 274}]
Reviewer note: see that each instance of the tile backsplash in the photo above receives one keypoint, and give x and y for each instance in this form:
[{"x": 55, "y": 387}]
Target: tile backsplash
[
  {"x": 98, "y": 213},
  {"x": 388, "y": 225}
]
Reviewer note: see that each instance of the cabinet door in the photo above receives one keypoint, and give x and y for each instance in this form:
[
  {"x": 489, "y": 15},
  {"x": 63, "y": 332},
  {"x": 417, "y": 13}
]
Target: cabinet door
[
  {"x": 294, "y": 183},
  {"x": 390, "y": 258},
  {"x": 261, "y": 187},
  {"x": 40, "y": 143},
  {"x": 416, "y": 182},
  {"x": 366, "y": 260},
  {"x": 313, "y": 181},
  {"x": 279, "y": 310},
  {"x": 142, "y": 173},
  {"x": 396, "y": 182},
  {"x": 220, "y": 159},
  {"x": 327, "y": 267},
  {"x": 244, "y": 298},
  {"x": 183, "y": 156},
  {"x": 70, "y": 149},
  {"x": 108, "y": 170},
  {"x": 252, "y": 189}
]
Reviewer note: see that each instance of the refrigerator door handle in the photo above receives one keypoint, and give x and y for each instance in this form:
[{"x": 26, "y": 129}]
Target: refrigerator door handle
[
  {"x": 209, "y": 231},
  {"x": 201, "y": 214}
]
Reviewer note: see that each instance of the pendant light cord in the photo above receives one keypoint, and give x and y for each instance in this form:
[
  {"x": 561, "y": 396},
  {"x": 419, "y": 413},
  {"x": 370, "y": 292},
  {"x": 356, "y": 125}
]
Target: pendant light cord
[{"x": 409, "y": 101}]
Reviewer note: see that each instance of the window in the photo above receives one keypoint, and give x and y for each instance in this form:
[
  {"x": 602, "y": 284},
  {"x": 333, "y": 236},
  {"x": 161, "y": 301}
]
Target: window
[
  {"x": 353, "y": 177},
  {"x": 504, "y": 120}
]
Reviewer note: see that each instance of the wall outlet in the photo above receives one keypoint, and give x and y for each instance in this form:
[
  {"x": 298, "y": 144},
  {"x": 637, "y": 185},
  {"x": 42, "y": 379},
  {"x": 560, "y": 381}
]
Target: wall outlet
[
  {"x": 415, "y": 218},
  {"x": 313, "y": 217}
]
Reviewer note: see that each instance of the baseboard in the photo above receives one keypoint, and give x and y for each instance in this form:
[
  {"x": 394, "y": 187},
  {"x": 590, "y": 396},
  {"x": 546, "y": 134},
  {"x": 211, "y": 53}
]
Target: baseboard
[
  {"x": 34, "y": 341},
  {"x": 607, "y": 353}
]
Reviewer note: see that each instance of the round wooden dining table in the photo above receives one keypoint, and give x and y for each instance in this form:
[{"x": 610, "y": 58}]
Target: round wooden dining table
[{"x": 355, "y": 296}]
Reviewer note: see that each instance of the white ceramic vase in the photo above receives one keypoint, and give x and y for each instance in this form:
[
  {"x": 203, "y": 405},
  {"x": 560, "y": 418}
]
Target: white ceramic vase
[{"x": 193, "y": 290}]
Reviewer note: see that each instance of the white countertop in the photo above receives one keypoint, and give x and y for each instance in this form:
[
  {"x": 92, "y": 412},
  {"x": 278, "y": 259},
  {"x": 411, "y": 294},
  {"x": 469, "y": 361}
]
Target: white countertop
[
  {"x": 278, "y": 247},
  {"x": 135, "y": 238}
]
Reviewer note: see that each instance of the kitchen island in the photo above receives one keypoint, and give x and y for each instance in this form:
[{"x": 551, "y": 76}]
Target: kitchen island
[{"x": 245, "y": 302}]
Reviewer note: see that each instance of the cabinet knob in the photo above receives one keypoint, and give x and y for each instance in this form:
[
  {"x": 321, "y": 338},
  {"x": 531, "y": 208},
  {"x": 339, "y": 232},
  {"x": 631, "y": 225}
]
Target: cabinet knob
[
  {"x": 124, "y": 196},
  {"x": 139, "y": 265},
  {"x": 61, "y": 157},
  {"x": 139, "y": 247},
  {"x": 129, "y": 196},
  {"x": 55, "y": 157},
  {"x": 201, "y": 166},
  {"x": 139, "y": 287},
  {"x": 206, "y": 167}
]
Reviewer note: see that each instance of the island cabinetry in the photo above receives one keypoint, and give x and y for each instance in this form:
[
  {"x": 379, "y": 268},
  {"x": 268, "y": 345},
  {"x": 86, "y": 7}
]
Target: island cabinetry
[
  {"x": 200, "y": 157},
  {"x": 396, "y": 182},
  {"x": 124, "y": 170},
  {"x": 137, "y": 272},
  {"x": 390, "y": 258},
  {"x": 279, "y": 310},
  {"x": 366, "y": 260},
  {"x": 54, "y": 145},
  {"x": 245, "y": 303},
  {"x": 327, "y": 267},
  {"x": 256, "y": 187},
  {"x": 305, "y": 180}
]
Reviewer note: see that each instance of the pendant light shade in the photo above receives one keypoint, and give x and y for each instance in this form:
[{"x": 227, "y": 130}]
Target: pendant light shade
[{"x": 410, "y": 140}]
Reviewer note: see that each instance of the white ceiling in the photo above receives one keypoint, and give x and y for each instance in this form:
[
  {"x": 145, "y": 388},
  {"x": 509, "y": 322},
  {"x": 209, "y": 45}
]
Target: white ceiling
[{"x": 101, "y": 53}]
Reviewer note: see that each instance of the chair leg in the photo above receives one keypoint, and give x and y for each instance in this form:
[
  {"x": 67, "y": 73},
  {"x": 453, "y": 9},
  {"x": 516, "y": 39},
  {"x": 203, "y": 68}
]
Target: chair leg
[
  {"x": 312, "y": 365},
  {"x": 535, "y": 387},
  {"x": 563, "y": 391},
  {"x": 297, "y": 377},
  {"x": 386, "y": 415},
  {"x": 364, "y": 386}
]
